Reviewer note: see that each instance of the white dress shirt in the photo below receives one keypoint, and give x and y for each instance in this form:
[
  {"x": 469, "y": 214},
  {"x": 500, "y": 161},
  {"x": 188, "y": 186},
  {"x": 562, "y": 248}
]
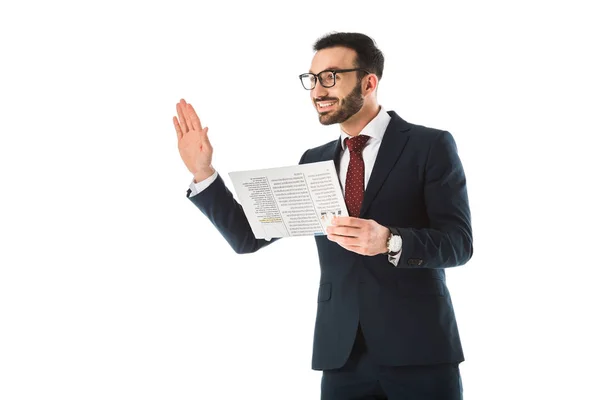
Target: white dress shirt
[{"x": 375, "y": 129}]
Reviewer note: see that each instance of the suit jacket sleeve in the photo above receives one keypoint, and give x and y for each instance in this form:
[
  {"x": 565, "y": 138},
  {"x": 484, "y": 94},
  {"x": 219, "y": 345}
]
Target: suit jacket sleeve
[
  {"x": 447, "y": 241},
  {"x": 227, "y": 215}
]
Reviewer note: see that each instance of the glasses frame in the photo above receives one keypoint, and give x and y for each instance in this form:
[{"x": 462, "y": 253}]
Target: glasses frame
[{"x": 335, "y": 72}]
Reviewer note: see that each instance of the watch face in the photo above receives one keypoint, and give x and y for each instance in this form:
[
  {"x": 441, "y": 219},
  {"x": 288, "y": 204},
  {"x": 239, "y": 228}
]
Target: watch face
[{"x": 395, "y": 243}]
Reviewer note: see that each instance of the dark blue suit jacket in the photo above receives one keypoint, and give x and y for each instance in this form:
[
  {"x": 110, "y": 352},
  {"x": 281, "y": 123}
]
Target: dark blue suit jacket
[{"x": 417, "y": 188}]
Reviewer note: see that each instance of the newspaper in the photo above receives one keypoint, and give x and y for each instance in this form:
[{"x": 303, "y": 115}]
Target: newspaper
[{"x": 290, "y": 201}]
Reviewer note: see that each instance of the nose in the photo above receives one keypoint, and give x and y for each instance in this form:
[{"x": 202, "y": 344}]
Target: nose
[{"x": 319, "y": 90}]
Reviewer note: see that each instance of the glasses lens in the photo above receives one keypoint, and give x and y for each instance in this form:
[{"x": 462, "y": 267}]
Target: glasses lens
[
  {"x": 327, "y": 78},
  {"x": 308, "y": 81}
]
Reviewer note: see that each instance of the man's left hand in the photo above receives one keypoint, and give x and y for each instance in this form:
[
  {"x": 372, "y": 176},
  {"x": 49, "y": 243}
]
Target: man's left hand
[{"x": 362, "y": 236}]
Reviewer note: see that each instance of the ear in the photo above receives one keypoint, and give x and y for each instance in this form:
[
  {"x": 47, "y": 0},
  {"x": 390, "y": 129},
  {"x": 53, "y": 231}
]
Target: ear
[{"x": 370, "y": 83}]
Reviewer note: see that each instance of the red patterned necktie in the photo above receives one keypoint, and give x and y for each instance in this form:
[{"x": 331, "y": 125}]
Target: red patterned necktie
[{"x": 355, "y": 177}]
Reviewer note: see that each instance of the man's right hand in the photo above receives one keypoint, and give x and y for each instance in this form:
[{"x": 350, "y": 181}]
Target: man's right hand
[{"x": 192, "y": 140}]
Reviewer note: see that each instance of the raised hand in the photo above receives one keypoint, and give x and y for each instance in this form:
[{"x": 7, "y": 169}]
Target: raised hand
[{"x": 192, "y": 140}]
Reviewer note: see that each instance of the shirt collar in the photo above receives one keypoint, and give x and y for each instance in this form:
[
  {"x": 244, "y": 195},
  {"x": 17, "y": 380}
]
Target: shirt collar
[{"x": 375, "y": 128}]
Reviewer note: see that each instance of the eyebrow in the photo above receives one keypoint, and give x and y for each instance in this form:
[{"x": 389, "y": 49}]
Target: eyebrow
[{"x": 328, "y": 68}]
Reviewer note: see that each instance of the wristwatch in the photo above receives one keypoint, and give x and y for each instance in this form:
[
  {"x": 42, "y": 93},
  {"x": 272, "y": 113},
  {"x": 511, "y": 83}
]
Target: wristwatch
[{"x": 394, "y": 242}]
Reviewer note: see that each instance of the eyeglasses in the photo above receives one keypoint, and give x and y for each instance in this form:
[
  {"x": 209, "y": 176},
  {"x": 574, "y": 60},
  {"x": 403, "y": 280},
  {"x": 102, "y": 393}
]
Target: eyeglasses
[{"x": 326, "y": 77}]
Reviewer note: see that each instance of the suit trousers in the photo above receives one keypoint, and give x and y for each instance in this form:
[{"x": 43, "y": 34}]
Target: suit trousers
[{"x": 362, "y": 378}]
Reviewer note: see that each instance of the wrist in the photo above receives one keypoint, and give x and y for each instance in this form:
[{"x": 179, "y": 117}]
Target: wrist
[
  {"x": 204, "y": 173},
  {"x": 386, "y": 241}
]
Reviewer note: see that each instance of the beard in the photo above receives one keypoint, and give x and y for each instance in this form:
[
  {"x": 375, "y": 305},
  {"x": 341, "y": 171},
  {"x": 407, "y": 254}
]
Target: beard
[{"x": 349, "y": 105}]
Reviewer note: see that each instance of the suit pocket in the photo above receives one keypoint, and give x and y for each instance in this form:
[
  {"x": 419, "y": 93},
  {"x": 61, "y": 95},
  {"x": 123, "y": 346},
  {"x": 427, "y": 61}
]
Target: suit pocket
[
  {"x": 324, "y": 292},
  {"x": 421, "y": 287}
]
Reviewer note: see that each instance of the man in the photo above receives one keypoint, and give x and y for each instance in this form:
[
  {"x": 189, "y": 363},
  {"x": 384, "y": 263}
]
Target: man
[{"x": 385, "y": 323}]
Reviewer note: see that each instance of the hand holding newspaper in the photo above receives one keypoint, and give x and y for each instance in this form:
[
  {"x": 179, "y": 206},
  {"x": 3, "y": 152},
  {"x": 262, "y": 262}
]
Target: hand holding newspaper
[{"x": 290, "y": 201}]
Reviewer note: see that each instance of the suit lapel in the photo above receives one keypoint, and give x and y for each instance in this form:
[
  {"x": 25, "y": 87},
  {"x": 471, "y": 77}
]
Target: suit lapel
[
  {"x": 333, "y": 153},
  {"x": 392, "y": 144}
]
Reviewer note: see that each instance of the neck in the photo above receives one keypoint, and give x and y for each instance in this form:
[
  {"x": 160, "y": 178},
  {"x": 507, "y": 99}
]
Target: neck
[{"x": 356, "y": 123}]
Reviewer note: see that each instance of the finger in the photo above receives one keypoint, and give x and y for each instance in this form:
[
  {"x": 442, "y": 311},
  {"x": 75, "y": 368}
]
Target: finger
[
  {"x": 184, "y": 127},
  {"x": 344, "y": 231},
  {"x": 345, "y": 240},
  {"x": 204, "y": 136},
  {"x": 355, "y": 249},
  {"x": 177, "y": 128},
  {"x": 186, "y": 113},
  {"x": 347, "y": 221},
  {"x": 194, "y": 118}
]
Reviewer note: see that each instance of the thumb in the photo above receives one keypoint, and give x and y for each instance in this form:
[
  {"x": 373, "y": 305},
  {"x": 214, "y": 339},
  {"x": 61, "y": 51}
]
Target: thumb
[
  {"x": 204, "y": 136},
  {"x": 204, "y": 133}
]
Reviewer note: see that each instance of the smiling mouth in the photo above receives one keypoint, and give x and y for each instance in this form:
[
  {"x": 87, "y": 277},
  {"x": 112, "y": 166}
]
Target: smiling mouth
[{"x": 325, "y": 105}]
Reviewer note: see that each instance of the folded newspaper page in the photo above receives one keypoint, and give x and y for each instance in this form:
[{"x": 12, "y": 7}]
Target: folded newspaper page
[{"x": 290, "y": 201}]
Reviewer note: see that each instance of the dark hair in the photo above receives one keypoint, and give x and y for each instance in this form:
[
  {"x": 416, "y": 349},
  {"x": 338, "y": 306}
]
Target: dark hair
[{"x": 368, "y": 57}]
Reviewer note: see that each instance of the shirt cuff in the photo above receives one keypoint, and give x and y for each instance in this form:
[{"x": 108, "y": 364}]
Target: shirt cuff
[
  {"x": 200, "y": 186},
  {"x": 394, "y": 259}
]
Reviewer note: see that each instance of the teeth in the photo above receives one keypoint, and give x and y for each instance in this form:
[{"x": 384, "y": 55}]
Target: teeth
[{"x": 326, "y": 104}]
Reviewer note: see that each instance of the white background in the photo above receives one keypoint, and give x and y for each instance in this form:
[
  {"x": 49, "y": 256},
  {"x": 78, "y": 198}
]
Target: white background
[{"x": 113, "y": 285}]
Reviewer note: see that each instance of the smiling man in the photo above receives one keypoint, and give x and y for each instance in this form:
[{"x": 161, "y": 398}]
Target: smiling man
[{"x": 385, "y": 326}]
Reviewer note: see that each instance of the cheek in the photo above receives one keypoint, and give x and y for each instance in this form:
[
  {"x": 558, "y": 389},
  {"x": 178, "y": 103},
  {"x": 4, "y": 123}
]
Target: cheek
[
  {"x": 336, "y": 94},
  {"x": 344, "y": 91}
]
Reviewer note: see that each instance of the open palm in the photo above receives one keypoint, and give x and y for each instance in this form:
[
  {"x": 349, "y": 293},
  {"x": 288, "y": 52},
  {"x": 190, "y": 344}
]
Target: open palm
[{"x": 192, "y": 140}]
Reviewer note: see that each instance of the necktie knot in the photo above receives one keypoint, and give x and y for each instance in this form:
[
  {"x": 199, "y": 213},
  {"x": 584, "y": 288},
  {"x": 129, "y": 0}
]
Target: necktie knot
[{"x": 356, "y": 144}]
